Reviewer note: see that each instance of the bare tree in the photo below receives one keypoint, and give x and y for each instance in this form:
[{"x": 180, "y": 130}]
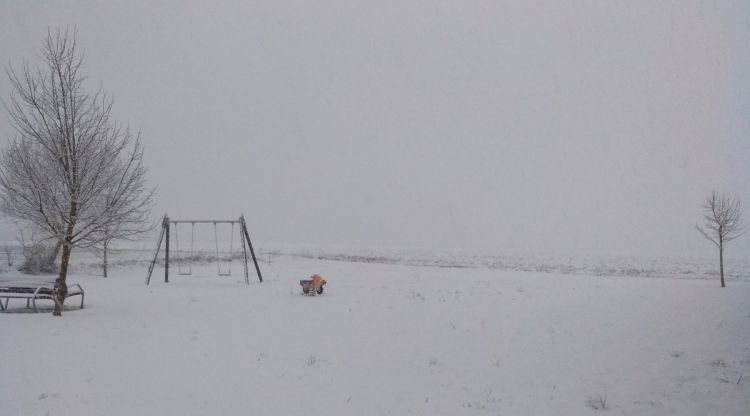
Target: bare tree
[
  {"x": 723, "y": 215},
  {"x": 132, "y": 219},
  {"x": 8, "y": 250},
  {"x": 103, "y": 251},
  {"x": 72, "y": 172},
  {"x": 113, "y": 232}
]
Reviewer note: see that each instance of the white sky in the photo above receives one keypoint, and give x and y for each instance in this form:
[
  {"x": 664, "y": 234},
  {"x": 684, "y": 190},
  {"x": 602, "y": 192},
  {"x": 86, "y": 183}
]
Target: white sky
[{"x": 517, "y": 126}]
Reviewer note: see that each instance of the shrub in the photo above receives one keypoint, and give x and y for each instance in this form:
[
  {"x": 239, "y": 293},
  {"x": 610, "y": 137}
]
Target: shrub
[{"x": 38, "y": 257}]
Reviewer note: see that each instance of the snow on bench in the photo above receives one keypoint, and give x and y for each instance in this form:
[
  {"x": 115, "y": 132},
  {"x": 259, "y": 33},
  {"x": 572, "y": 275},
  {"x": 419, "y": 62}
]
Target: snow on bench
[{"x": 33, "y": 290}]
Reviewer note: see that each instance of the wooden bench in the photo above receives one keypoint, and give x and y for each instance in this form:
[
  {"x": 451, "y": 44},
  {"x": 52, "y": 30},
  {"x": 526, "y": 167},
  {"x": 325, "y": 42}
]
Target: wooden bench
[{"x": 31, "y": 291}]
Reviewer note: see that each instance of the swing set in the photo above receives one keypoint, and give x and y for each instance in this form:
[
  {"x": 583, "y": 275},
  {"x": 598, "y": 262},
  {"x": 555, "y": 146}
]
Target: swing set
[{"x": 185, "y": 264}]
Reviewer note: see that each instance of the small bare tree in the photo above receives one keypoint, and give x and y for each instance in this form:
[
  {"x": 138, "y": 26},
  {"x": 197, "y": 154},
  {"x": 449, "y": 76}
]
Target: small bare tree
[
  {"x": 103, "y": 251},
  {"x": 8, "y": 250},
  {"x": 723, "y": 223},
  {"x": 116, "y": 231},
  {"x": 71, "y": 172},
  {"x": 130, "y": 222}
]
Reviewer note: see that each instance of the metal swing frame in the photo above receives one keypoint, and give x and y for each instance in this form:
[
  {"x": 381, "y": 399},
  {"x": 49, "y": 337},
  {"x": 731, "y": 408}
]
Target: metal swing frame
[{"x": 247, "y": 245}]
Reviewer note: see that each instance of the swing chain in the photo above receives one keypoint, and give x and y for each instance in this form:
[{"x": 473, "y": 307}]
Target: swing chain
[
  {"x": 231, "y": 250},
  {"x": 181, "y": 268}
]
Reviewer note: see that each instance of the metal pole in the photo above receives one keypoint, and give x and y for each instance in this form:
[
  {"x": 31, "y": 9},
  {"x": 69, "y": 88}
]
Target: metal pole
[
  {"x": 166, "y": 250},
  {"x": 250, "y": 244},
  {"x": 156, "y": 253},
  {"x": 244, "y": 255},
  {"x": 204, "y": 222}
]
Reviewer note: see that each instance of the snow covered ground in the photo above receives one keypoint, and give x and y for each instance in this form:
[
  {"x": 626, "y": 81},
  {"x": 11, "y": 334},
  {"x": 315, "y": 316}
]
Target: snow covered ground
[{"x": 385, "y": 338}]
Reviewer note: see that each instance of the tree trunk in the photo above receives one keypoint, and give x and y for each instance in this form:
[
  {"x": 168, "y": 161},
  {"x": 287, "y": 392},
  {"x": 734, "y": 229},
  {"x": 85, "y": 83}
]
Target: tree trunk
[
  {"x": 721, "y": 262},
  {"x": 104, "y": 265},
  {"x": 61, "y": 287},
  {"x": 55, "y": 252}
]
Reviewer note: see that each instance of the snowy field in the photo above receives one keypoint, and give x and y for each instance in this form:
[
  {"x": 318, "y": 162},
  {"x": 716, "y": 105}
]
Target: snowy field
[{"x": 385, "y": 338}]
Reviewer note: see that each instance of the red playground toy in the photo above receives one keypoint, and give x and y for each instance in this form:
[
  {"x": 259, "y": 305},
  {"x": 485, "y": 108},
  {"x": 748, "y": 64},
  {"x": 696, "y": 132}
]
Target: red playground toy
[{"x": 313, "y": 286}]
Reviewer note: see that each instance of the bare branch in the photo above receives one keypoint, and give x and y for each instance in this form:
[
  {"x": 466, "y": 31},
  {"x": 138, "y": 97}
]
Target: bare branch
[{"x": 707, "y": 235}]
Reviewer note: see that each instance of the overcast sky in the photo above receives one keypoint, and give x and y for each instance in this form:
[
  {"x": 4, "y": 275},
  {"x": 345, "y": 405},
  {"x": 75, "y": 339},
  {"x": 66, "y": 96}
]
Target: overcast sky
[{"x": 517, "y": 126}]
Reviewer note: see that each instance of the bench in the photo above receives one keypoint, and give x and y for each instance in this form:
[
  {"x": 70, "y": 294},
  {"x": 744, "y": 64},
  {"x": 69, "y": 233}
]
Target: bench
[{"x": 31, "y": 291}]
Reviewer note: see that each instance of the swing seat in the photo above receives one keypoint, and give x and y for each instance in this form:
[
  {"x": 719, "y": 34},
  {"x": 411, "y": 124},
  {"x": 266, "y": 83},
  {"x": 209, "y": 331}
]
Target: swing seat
[{"x": 186, "y": 269}]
